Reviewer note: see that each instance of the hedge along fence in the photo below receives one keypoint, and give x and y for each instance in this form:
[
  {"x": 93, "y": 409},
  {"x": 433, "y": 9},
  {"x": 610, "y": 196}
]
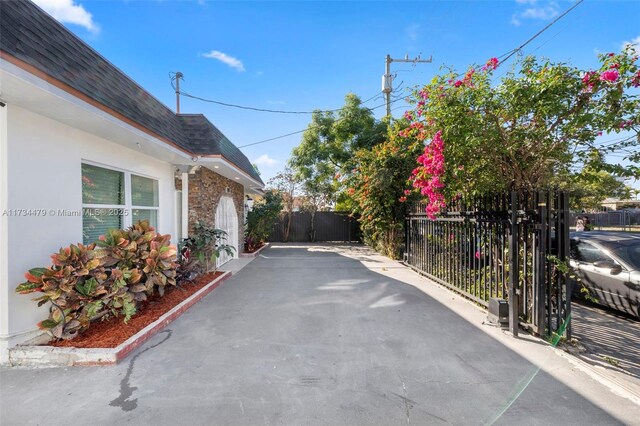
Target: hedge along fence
[{"x": 103, "y": 279}]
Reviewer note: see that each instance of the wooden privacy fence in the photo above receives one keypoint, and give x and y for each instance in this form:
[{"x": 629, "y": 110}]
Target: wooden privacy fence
[
  {"x": 505, "y": 246},
  {"x": 327, "y": 226}
]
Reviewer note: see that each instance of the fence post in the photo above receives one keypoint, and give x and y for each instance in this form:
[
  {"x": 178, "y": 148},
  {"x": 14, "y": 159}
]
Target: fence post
[
  {"x": 541, "y": 261},
  {"x": 513, "y": 266},
  {"x": 564, "y": 254}
]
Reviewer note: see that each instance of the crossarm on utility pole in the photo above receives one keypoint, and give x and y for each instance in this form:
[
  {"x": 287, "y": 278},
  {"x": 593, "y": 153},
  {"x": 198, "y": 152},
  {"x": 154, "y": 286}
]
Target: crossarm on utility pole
[{"x": 387, "y": 79}]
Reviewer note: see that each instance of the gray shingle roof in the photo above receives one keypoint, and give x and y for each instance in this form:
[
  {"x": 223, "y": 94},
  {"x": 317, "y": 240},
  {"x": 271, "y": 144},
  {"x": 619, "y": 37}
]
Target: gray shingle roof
[
  {"x": 32, "y": 36},
  {"x": 200, "y": 131}
]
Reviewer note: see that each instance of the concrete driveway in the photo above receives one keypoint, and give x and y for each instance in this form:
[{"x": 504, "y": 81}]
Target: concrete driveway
[
  {"x": 322, "y": 335},
  {"x": 609, "y": 341}
]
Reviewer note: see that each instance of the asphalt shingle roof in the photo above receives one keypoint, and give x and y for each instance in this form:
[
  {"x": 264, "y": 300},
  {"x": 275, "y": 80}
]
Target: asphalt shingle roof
[
  {"x": 32, "y": 36},
  {"x": 201, "y": 131}
]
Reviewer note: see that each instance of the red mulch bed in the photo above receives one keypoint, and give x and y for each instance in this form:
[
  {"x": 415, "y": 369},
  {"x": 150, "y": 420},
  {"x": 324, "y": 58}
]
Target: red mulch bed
[
  {"x": 254, "y": 248},
  {"x": 113, "y": 332}
]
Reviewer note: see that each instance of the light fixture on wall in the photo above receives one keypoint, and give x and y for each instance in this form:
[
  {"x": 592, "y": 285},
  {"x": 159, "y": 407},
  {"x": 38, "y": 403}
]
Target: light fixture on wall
[{"x": 248, "y": 203}]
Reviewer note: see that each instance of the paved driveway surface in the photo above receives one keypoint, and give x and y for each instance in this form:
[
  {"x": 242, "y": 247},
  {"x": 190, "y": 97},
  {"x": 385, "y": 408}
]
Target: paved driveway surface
[
  {"x": 302, "y": 336},
  {"x": 611, "y": 339}
]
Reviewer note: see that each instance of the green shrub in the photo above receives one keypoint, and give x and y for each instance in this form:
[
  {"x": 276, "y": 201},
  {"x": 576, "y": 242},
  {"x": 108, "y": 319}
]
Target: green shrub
[
  {"x": 261, "y": 218},
  {"x": 206, "y": 245}
]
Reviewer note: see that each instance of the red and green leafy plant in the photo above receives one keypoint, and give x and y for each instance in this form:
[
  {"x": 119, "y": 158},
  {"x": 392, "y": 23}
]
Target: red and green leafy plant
[
  {"x": 86, "y": 283},
  {"x": 142, "y": 250},
  {"x": 76, "y": 284}
]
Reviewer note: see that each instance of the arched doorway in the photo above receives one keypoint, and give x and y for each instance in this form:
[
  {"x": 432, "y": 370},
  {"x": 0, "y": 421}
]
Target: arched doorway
[{"x": 227, "y": 220}]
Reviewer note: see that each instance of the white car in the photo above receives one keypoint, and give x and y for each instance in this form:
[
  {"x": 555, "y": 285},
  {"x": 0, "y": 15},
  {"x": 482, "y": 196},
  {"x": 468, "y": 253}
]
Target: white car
[{"x": 608, "y": 264}]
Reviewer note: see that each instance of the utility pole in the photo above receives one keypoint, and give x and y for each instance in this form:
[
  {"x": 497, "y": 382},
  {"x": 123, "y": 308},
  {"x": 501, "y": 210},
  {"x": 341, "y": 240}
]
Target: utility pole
[
  {"x": 177, "y": 77},
  {"x": 387, "y": 78}
]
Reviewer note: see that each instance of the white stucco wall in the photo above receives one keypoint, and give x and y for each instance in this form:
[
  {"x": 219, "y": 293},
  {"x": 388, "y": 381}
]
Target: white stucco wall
[{"x": 43, "y": 163}]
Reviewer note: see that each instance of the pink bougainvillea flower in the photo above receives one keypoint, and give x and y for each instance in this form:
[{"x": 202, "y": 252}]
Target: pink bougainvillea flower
[
  {"x": 491, "y": 64},
  {"x": 615, "y": 66},
  {"x": 469, "y": 74},
  {"x": 635, "y": 81},
  {"x": 477, "y": 255},
  {"x": 611, "y": 55},
  {"x": 588, "y": 78},
  {"x": 599, "y": 133},
  {"x": 407, "y": 191},
  {"x": 458, "y": 83},
  {"x": 402, "y": 199},
  {"x": 610, "y": 76}
]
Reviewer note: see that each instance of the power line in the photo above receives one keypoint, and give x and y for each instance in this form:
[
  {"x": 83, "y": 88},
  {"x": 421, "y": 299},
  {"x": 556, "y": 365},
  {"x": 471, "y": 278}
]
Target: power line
[
  {"x": 518, "y": 49},
  {"x": 308, "y": 128},
  {"x": 249, "y": 108},
  {"x": 506, "y": 55}
]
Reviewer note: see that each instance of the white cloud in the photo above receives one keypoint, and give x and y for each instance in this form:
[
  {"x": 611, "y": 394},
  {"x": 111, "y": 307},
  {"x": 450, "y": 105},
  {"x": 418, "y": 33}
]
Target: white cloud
[
  {"x": 69, "y": 12},
  {"x": 412, "y": 31},
  {"x": 634, "y": 43},
  {"x": 535, "y": 10},
  {"x": 226, "y": 59},
  {"x": 265, "y": 160}
]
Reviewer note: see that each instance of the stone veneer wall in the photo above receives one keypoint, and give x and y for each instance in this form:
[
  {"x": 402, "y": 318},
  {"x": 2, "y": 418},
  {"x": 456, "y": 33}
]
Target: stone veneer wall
[{"x": 205, "y": 189}]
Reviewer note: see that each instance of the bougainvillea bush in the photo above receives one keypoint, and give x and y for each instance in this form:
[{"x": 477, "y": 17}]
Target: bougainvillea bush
[
  {"x": 98, "y": 281},
  {"x": 534, "y": 127}
]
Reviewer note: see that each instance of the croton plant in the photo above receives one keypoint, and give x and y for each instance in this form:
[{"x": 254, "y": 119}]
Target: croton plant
[{"x": 101, "y": 280}]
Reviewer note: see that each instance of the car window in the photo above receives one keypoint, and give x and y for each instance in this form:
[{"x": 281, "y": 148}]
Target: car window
[
  {"x": 585, "y": 252},
  {"x": 630, "y": 254}
]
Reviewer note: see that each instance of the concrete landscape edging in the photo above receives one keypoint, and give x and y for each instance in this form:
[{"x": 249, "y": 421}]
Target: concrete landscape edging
[
  {"x": 255, "y": 253},
  {"x": 32, "y": 354}
]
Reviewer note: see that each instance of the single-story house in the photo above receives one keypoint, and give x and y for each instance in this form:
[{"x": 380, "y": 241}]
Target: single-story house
[
  {"x": 84, "y": 148},
  {"x": 617, "y": 204}
]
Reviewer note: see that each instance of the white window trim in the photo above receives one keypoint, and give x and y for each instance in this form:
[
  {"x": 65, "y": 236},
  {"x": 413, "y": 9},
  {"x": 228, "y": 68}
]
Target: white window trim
[{"x": 127, "y": 220}]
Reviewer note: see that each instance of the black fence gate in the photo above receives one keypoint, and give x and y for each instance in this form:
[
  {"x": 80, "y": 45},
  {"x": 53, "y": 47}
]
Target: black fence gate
[
  {"x": 510, "y": 246},
  {"x": 327, "y": 226}
]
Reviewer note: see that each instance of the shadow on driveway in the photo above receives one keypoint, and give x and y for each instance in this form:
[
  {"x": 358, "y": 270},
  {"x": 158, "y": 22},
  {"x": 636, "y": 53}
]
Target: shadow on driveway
[{"x": 611, "y": 338}]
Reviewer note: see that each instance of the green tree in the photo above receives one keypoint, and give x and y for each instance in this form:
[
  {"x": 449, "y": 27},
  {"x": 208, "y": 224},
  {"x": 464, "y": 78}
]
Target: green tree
[
  {"x": 589, "y": 189},
  {"x": 377, "y": 188},
  {"x": 541, "y": 121},
  {"x": 328, "y": 144},
  {"x": 288, "y": 185}
]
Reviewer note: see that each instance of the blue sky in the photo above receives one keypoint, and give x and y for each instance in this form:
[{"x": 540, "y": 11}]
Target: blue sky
[{"x": 305, "y": 55}]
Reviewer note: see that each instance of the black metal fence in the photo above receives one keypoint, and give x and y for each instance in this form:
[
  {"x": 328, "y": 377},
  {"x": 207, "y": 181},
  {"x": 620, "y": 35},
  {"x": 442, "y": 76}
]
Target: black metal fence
[
  {"x": 505, "y": 246},
  {"x": 327, "y": 226}
]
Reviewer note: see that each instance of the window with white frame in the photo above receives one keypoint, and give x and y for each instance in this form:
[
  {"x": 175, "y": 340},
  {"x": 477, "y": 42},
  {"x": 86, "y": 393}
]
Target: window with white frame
[{"x": 115, "y": 199}]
